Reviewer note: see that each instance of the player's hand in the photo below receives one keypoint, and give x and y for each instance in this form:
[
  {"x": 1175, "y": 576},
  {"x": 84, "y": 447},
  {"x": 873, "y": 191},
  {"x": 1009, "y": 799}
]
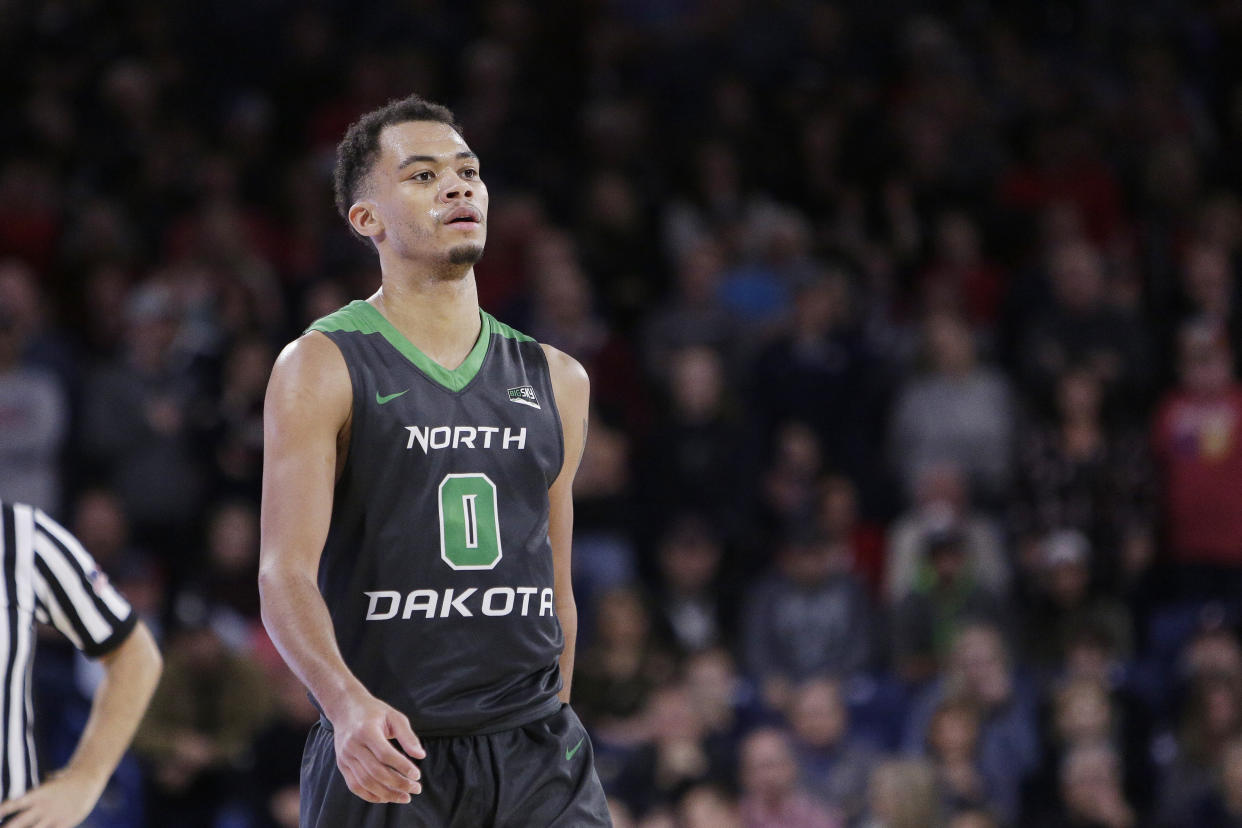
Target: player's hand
[
  {"x": 63, "y": 801},
  {"x": 373, "y": 769}
]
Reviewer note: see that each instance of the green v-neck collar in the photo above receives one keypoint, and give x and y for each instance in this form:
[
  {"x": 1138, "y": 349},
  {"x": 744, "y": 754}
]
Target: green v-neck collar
[{"x": 454, "y": 380}]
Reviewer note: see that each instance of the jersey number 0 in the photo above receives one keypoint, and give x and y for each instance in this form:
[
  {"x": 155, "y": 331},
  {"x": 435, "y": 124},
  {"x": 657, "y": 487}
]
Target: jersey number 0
[{"x": 469, "y": 522}]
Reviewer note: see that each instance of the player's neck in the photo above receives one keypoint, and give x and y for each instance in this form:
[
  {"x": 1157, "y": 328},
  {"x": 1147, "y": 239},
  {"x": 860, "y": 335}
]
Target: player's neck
[{"x": 439, "y": 317}]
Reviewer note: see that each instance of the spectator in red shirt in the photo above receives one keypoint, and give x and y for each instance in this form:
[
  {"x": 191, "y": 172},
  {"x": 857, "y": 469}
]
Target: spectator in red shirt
[{"x": 1198, "y": 444}]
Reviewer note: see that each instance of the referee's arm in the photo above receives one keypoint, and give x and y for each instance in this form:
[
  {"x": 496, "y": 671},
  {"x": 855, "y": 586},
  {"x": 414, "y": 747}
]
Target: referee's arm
[
  {"x": 572, "y": 389},
  {"x": 131, "y": 672},
  {"x": 84, "y": 606}
]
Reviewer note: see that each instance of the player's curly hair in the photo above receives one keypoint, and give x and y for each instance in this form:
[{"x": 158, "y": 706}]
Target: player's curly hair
[{"x": 357, "y": 150}]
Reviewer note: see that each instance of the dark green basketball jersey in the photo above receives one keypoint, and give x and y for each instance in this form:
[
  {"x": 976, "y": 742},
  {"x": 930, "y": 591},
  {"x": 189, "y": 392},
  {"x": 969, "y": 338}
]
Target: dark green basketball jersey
[{"x": 437, "y": 570}]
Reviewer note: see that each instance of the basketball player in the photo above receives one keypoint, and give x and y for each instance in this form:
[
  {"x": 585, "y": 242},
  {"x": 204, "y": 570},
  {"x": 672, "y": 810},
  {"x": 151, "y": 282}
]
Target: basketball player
[{"x": 419, "y": 458}]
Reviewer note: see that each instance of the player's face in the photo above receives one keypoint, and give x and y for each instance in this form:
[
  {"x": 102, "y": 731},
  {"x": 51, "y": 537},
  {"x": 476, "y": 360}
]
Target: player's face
[{"x": 428, "y": 194}]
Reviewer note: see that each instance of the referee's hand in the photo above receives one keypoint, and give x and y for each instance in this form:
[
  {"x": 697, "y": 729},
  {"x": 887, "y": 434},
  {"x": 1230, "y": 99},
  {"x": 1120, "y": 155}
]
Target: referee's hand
[
  {"x": 63, "y": 801},
  {"x": 372, "y": 767}
]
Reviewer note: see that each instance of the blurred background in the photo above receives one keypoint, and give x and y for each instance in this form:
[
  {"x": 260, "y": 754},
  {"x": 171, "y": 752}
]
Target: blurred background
[{"x": 914, "y": 488}]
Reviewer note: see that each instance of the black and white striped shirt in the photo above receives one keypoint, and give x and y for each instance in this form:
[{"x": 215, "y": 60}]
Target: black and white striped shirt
[{"x": 48, "y": 576}]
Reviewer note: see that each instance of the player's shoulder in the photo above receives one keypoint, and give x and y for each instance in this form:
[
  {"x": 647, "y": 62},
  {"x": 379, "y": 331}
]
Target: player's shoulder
[
  {"x": 310, "y": 375},
  {"x": 312, "y": 352},
  {"x": 564, "y": 368},
  {"x": 570, "y": 382}
]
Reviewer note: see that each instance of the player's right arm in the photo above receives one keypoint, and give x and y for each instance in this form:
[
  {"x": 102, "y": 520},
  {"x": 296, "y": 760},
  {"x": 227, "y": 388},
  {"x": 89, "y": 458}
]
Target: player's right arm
[{"x": 306, "y": 414}]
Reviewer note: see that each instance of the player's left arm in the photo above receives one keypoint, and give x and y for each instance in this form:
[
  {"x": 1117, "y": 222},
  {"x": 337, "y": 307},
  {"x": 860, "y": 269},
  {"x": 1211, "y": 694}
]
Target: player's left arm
[{"x": 572, "y": 389}]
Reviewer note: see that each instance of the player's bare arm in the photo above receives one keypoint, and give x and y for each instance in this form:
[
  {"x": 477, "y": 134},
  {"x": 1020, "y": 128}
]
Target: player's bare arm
[
  {"x": 305, "y": 423},
  {"x": 131, "y": 672},
  {"x": 573, "y": 390}
]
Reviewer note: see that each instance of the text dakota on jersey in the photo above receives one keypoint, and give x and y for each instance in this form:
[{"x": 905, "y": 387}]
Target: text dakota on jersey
[
  {"x": 442, "y": 437},
  {"x": 497, "y": 601}
]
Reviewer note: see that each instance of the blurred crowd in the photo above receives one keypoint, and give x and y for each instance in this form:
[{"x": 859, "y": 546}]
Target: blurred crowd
[{"x": 913, "y": 495}]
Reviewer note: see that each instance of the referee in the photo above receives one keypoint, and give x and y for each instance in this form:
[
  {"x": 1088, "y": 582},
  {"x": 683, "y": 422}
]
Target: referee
[{"x": 45, "y": 574}]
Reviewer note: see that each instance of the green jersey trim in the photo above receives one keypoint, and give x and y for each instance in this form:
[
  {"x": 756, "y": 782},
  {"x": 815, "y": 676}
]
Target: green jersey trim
[
  {"x": 361, "y": 316},
  {"x": 505, "y": 331}
]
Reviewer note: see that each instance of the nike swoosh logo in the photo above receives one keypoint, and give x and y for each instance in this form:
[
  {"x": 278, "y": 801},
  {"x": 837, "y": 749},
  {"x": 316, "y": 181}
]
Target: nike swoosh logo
[
  {"x": 389, "y": 397},
  {"x": 569, "y": 754}
]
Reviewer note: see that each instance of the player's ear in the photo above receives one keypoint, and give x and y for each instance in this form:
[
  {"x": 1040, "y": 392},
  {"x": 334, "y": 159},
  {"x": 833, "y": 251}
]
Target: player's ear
[{"x": 364, "y": 219}]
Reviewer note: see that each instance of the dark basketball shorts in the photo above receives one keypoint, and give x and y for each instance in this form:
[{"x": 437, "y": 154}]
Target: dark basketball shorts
[{"x": 538, "y": 775}]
